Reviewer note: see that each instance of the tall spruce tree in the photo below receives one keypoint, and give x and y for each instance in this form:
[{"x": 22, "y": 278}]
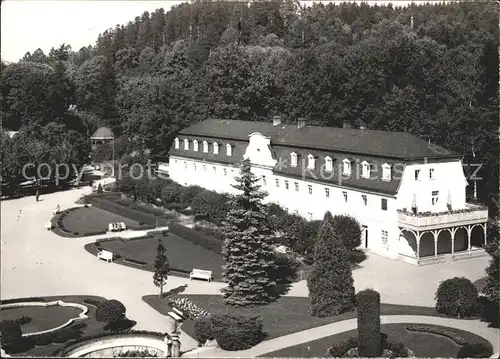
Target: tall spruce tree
[
  {"x": 330, "y": 282},
  {"x": 161, "y": 267},
  {"x": 247, "y": 252}
]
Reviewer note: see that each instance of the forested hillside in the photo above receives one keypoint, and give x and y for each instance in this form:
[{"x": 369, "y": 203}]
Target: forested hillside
[{"x": 431, "y": 70}]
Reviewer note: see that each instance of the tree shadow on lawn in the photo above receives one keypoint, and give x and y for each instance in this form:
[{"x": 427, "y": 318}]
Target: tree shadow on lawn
[
  {"x": 121, "y": 325},
  {"x": 285, "y": 316}
]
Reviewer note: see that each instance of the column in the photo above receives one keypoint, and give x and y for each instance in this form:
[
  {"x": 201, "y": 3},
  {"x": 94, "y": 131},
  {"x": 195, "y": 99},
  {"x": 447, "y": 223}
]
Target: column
[
  {"x": 453, "y": 231},
  {"x": 418, "y": 245},
  {"x": 435, "y": 235},
  {"x": 485, "y": 226},
  {"x": 469, "y": 230}
]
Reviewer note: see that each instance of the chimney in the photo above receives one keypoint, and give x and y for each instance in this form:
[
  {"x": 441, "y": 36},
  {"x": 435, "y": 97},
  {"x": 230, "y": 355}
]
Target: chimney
[
  {"x": 301, "y": 122},
  {"x": 276, "y": 120},
  {"x": 346, "y": 124}
]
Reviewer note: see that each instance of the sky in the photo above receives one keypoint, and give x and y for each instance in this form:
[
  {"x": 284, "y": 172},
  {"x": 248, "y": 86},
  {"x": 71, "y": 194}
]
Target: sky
[{"x": 27, "y": 25}]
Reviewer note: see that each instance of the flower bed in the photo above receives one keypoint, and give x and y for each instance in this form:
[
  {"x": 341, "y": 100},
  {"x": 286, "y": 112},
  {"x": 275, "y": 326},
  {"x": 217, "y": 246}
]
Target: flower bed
[
  {"x": 188, "y": 307},
  {"x": 439, "y": 331}
]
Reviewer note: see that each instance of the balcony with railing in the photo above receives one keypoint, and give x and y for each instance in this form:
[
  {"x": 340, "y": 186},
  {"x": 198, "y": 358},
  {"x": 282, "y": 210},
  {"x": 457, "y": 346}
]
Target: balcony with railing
[{"x": 419, "y": 221}]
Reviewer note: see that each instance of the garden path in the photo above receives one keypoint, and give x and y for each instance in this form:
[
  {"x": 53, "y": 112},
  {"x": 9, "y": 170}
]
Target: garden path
[{"x": 271, "y": 345}]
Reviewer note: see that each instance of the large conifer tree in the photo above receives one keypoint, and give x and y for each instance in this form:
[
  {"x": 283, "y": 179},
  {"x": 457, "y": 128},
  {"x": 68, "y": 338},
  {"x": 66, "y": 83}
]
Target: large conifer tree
[
  {"x": 247, "y": 252},
  {"x": 330, "y": 282}
]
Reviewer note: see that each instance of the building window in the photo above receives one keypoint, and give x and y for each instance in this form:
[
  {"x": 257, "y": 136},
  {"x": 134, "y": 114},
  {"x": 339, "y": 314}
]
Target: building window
[
  {"x": 229, "y": 150},
  {"x": 176, "y": 141},
  {"x": 431, "y": 173},
  {"x": 205, "y": 146},
  {"x": 328, "y": 164},
  {"x": 386, "y": 172},
  {"x": 186, "y": 144},
  {"x": 385, "y": 239},
  {"x": 216, "y": 148},
  {"x": 277, "y": 183},
  {"x": 435, "y": 197},
  {"x": 293, "y": 159},
  {"x": 194, "y": 166},
  {"x": 327, "y": 192},
  {"x": 310, "y": 162},
  {"x": 365, "y": 199},
  {"x": 344, "y": 193},
  {"x": 215, "y": 170},
  {"x": 346, "y": 167},
  {"x": 263, "y": 180},
  {"x": 286, "y": 185},
  {"x": 185, "y": 165},
  {"x": 225, "y": 172},
  {"x": 365, "y": 169},
  {"x": 195, "y": 145},
  {"x": 296, "y": 186},
  {"x": 417, "y": 175},
  {"x": 310, "y": 189},
  {"x": 384, "y": 204},
  {"x": 204, "y": 168}
]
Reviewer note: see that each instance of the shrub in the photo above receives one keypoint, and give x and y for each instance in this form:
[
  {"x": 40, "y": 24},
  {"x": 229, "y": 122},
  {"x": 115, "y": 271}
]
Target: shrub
[
  {"x": 286, "y": 270},
  {"x": 457, "y": 297},
  {"x": 203, "y": 329},
  {"x": 11, "y": 333},
  {"x": 398, "y": 349},
  {"x": 110, "y": 311},
  {"x": 369, "y": 336},
  {"x": 339, "y": 350},
  {"x": 476, "y": 350},
  {"x": 23, "y": 320},
  {"x": 137, "y": 354},
  {"x": 440, "y": 331},
  {"x": 349, "y": 230},
  {"x": 188, "y": 194},
  {"x": 237, "y": 332},
  {"x": 171, "y": 193}
]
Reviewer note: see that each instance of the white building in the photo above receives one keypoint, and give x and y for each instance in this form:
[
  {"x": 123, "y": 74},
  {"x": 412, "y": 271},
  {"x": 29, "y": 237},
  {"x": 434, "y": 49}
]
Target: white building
[{"x": 408, "y": 195}]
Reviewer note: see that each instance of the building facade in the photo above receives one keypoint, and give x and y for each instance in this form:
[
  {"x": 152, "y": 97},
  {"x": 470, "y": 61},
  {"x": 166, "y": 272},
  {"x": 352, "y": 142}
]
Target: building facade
[{"x": 408, "y": 195}]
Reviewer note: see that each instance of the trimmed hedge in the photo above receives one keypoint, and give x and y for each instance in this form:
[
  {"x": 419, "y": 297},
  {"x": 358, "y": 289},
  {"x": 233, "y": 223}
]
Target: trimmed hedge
[
  {"x": 110, "y": 311},
  {"x": 59, "y": 336},
  {"x": 21, "y": 300},
  {"x": 236, "y": 331},
  {"x": 11, "y": 333},
  {"x": 439, "y": 331},
  {"x": 370, "y": 339},
  {"x": 477, "y": 350},
  {"x": 212, "y": 244},
  {"x": 457, "y": 297},
  {"x": 23, "y": 320},
  {"x": 203, "y": 329}
]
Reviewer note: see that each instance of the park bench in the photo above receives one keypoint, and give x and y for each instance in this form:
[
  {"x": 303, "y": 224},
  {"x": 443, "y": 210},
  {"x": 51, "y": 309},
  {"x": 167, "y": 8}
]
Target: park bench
[
  {"x": 48, "y": 225},
  {"x": 105, "y": 255},
  {"x": 116, "y": 226},
  {"x": 201, "y": 274},
  {"x": 179, "y": 313},
  {"x": 175, "y": 316}
]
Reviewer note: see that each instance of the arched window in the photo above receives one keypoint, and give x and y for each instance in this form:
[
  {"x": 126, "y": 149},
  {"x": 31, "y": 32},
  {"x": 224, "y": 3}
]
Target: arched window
[
  {"x": 365, "y": 169},
  {"x": 293, "y": 159},
  {"x": 195, "y": 145},
  {"x": 216, "y": 148},
  {"x": 176, "y": 141},
  {"x": 386, "y": 172},
  {"x": 346, "y": 167},
  {"x": 229, "y": 150},
  {"x": 186, "y": 144},
  {"x": 205, "y": 146},
  {"x": 328, "y": 164},
  {"x": 310, "y": 162}
]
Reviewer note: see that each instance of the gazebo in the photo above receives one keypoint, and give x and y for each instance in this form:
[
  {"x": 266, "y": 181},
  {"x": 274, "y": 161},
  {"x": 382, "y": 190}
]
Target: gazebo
[{"x": 101, "y": 136}]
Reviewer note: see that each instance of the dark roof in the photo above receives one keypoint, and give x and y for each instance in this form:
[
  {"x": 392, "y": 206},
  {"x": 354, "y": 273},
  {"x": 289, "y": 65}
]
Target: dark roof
[
  {"x": 399, "y": 145},
  {"x": 102, "y": 133}
]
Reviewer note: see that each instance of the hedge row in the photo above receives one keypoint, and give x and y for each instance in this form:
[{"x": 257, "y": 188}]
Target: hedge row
[
  {"x": 341, "y": 350},
  {"x": 368, "y": 310},
  {"x": 212, "y": 244},
  {"x": 58, "y": 336},
  {"x": 440, "y": 331},
  {"x": 22, "y": 300}
]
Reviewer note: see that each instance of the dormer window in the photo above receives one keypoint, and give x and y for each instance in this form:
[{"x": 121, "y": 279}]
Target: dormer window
[
  {"x": 205, "y": 146},
  {"x": 229, "y": 150},
  {"x": 310, "y": 162},
  {"x": 365, "y": 169},
  {"x": 186, "y": 144},
  {"x": 195, "y": 145},
  {"x": 216, "y": 148},
  {"x": 293, "y": 159},
  {"x": 386, "y": 172},
  {"x": 176, "y": 141},
  {"x": 328, "y": 164},
  {"x": 346, "y": 167}
]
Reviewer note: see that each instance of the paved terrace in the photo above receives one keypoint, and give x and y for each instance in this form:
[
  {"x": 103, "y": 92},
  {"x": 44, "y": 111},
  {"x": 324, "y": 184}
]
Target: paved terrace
[{"x": 37, "y": 262}]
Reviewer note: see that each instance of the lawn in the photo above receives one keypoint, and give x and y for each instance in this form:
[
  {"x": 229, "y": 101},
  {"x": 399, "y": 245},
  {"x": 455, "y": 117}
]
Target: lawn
[
  {"x": 422, "y": 344},
  {"x": 93, "y": 327},
  {"x": 182, "y": 255},
  {"x": 92, "y": 219},
  {"x": 42, "y": 318},
  {"x": 285, "y": 316}
]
